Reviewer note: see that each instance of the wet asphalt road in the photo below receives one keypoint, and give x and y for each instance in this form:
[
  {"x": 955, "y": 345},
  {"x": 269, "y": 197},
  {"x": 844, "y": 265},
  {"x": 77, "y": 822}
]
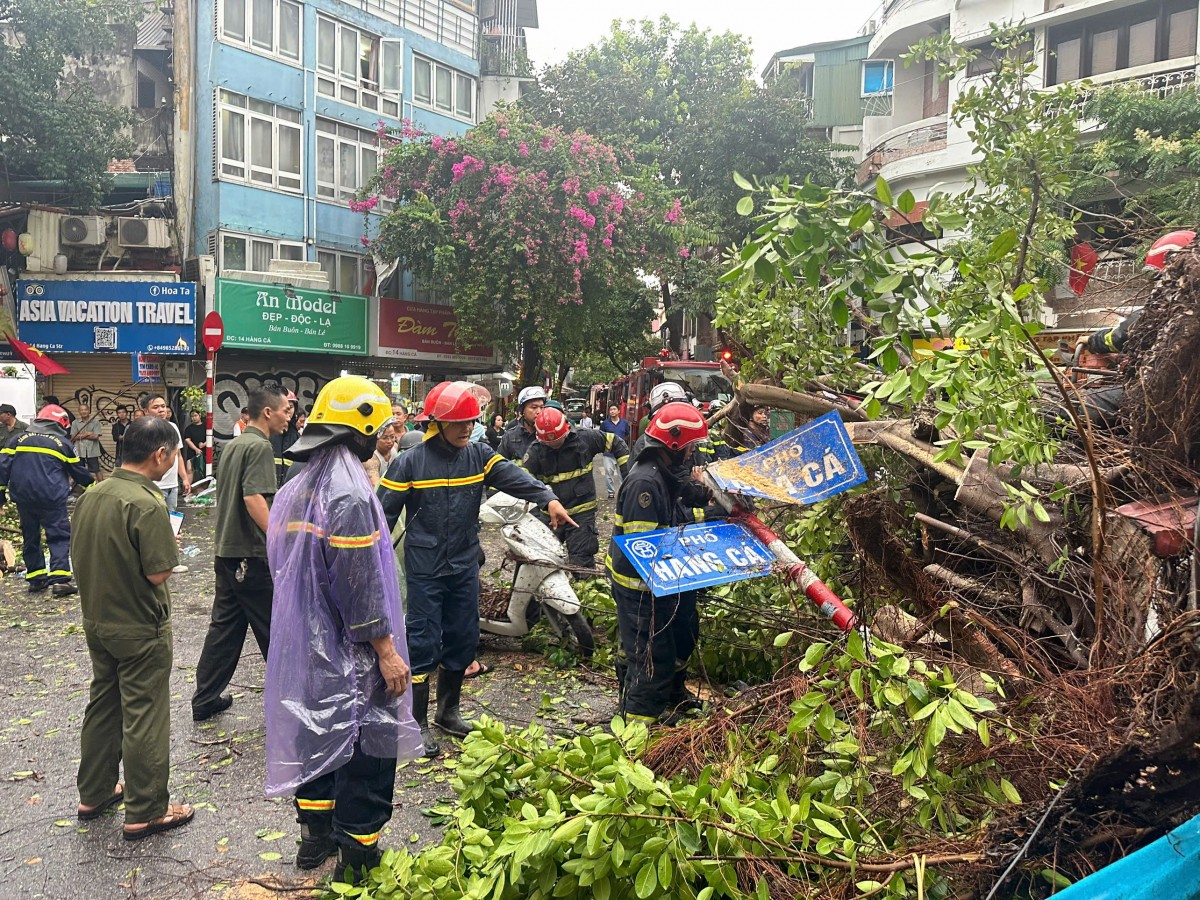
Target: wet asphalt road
[{"x": 238, "y": 836}]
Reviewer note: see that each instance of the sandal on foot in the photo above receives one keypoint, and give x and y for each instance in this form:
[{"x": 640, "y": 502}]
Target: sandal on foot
[
  {"x": 483, "y": 669},
  {"x": 95, "y": 812},
  {"x": 177, "y": 816}
]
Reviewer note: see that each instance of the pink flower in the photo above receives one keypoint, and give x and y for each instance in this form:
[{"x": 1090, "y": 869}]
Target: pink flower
[
  {"x": 503, "y": 132},
  {"x": 674, "y": 214},
  {"x": 436, "y": 142},
  {"x": 523, "y": 149},
  {"x": 547, "y": 143},
  {"x": 365, "y": 241},
  {"x": 607, "y": 242},
  {"x": 593, "y": 198},
  {"x": 364, "y": 205},
  {"x": 684, "y": 253}
]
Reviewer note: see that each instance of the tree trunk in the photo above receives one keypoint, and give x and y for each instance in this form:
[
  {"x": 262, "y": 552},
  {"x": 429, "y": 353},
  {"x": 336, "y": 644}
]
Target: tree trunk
[{"x": 531, "y": 358}]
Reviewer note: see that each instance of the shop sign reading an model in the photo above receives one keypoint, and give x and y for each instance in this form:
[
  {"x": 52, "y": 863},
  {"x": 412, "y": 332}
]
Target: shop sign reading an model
[
  {"x": 116, "y": 316},
  {"x": 276, "y": 317}
]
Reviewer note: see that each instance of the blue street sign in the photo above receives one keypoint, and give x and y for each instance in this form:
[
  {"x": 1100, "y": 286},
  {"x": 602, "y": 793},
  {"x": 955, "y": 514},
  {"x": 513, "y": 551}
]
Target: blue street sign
[
  {"x": 813, "y": 462},
  {"x": 116, "y": 316},
  {"x": 695, "y": 556}
]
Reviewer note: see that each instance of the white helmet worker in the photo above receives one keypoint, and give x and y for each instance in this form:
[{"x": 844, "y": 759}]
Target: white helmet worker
[
  {"x": 529, "y": 394},
  {"x": 667, "y": 392}
]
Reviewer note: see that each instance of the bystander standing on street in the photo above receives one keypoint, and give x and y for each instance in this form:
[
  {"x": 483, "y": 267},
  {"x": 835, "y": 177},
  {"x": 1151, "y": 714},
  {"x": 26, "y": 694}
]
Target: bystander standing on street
[
  {"x": 244, "y": 587},
  {"x": 156, "y": 405},
  {"x": 121, "y": 526},
  {"x": 118, "y": 432},
  {"x": 9, "y": 423},
  {"x": 195, "y": 438},
  {"x": 85, "y": 434},
  {"x": 615, "y": 425}
]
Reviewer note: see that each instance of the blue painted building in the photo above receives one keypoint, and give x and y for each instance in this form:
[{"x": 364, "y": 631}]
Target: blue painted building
[{"x": 288, "y": 97}]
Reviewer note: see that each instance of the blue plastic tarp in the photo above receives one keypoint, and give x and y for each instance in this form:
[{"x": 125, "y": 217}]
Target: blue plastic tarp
[{"x": 1168, "y": 869}]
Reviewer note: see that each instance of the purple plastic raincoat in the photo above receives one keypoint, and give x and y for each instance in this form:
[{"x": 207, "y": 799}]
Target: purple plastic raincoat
[{"x": 335, "y": 590}]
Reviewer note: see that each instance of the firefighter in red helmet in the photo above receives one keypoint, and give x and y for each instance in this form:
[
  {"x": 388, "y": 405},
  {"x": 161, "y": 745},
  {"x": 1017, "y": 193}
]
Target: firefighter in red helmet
[
  {"x": 438, "y": 485},
  {"x": 657, "y": 633}
]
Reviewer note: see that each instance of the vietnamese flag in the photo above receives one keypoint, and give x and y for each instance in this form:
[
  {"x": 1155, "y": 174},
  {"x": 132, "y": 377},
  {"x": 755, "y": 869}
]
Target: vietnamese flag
[{"x": 37, "y": 358}]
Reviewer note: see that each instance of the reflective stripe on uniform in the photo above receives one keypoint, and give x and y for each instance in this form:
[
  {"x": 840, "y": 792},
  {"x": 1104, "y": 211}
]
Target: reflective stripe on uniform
[
  {"x": 608, "y": 441},
  {"x": 315, "y": 805},
  {"x": 625, "y": 581},
  {"x": 582, "y": 507},
  {"x": 634, "y": 526},
  {"x": 395, "y": 485},
  {"x": 1108, "y": 340},
  {"x": 306, "y": 527},
  {"x": 621, "y": 460},
  {"x": 24, "y": 448},
  {"x": 66, "y": 572},
  {"x": 36, "y": 574},
  {"x": 367, "y": 840},
  {"x": 352, "y": 541},
  {"x": 496, "y": 457},
  {"x": 446, "y": 482},
  {"x": 567, "y": 476},
  {"x": 698, "y": 513},
  {"x": 280, "y": 461}
]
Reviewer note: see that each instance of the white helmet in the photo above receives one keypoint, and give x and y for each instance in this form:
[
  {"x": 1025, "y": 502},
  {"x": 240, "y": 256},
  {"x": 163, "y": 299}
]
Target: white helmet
[
  {"x": 533, "y": 392},
  {"x": 667, "y": 392}
]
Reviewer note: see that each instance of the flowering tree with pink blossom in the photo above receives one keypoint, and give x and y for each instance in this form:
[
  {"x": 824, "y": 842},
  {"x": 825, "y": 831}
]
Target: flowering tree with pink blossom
[{"x": 540, "y": 237}]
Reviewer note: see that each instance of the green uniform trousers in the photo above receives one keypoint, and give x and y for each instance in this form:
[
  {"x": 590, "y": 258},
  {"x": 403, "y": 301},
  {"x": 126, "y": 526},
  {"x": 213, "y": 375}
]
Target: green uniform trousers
[{"x": 128, "y": 718}]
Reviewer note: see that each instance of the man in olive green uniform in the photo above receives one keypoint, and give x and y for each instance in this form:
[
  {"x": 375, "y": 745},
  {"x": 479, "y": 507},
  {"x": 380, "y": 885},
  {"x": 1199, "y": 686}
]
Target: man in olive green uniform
[
  {"x": 123, "y": 551},
  {"x": 245, "y": 486}
]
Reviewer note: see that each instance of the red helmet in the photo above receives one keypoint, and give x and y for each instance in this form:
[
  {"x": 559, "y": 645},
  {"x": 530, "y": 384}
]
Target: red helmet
[
  {"x": 1157, "y": 255},
  {"x": 53, "y": 413},
  {"x": 430, "y": 399},
  {"x": 676, "y": 426},
  {"x": 551, "y": 425},
  {"x": 455, "y": 402}
]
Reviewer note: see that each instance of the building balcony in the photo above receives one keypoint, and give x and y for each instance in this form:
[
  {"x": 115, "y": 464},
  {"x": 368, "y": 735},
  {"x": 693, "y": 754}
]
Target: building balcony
[
  {"x": 1161, "y": 79},
  {"x": 905, "y": 22},
  {"x": 908, "y": 140}
]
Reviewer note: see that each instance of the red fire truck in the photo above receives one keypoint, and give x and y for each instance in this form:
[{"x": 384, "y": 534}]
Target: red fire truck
[{"x": 702, "y": 380}]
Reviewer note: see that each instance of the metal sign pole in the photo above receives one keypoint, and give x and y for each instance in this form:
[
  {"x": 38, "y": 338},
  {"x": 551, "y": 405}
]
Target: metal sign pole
[{"x": 209, "y": 367}]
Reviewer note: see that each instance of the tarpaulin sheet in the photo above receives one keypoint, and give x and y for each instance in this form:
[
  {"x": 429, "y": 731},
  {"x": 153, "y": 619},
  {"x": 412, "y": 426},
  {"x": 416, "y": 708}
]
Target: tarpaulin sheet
[
  {"x": 1168, "y": 869},
  {"x": 335, "y": 587}
]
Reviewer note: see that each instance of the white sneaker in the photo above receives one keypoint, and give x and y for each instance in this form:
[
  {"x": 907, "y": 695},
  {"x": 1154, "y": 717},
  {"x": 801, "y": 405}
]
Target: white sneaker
[{"x": 180, "y": 569}]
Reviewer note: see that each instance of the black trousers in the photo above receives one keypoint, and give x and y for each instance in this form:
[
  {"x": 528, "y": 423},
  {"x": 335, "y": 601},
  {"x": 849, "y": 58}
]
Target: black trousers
[
  {"x": 57, "y": 524},
  {"x": 236, "y": 604},
  {"x": 358, "y": 797},
  {"x": 583, "y": 542},
  {"x": 657, "y": 634}
]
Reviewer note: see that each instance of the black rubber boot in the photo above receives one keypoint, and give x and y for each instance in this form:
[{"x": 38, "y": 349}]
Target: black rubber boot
[
  {"x": 420, "y": 701},
  {"x": 449, "y": 695},
  {"x": 681, "y": 697},
  {"x": 316, "y": 841},
  {"x": 622, "y": 668},
  {"x": 359, "y": 860}
]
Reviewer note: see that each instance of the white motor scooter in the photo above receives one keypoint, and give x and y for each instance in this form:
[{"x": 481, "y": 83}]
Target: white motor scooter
[{"x": 540, "y": 586}]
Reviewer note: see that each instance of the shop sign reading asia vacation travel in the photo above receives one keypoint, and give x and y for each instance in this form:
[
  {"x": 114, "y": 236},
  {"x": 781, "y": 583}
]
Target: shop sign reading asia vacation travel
[
  {"x": 277, "y": 317},
  {"x": 66, "y": 316}
]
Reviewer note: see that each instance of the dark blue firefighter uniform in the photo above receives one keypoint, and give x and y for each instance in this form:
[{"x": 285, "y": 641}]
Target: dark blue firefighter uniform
[
  {"x": 439, "y": 487},
  {"x": 36, "y": 469}
]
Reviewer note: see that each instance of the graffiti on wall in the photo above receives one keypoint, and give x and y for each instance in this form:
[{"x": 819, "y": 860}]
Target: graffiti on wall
[
  {"x": 231, "y": 393},
  {"x": 104, "y": 402}
]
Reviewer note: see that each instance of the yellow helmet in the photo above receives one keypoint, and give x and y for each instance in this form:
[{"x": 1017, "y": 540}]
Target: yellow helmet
[{"x": 352, "y": 401}]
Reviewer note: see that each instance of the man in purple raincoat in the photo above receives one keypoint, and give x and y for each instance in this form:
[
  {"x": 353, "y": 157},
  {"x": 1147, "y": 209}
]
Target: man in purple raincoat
[{"x": 337, "y": 708}]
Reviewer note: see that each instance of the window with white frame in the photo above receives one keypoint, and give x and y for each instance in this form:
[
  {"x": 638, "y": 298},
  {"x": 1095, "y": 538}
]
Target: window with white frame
[
  {"x": 244, "y": 252},
  {"x": 358, "y": 67},
  {"x": 349, "y": 273},
  {"x": 877, "y": 77},
  {"x": 416, "y": 291},
  {"x": 346, "y": 159},
  {"x": 266, "y": 26},
  {"x": 443, "y": 89},
  {"x": 258, "y": 142}
]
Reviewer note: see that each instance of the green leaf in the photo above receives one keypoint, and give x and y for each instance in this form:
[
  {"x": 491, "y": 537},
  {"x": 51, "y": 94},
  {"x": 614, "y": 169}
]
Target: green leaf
[
  {"x": 646, "y": 881},
  {"x": 1010, "y": 792},
  {"x": 827, "y": 828},
  {"x": 1002, "y": 245},
  {"x": 889, "y": 283},
  {"x": 782, "y": 640},
  {"x": 666, "y": 871},
  {"x": 569, "y": 830},
  {"x": 860, "y": 217},
  {"x": 745, "y": 206},
  {"x": 270, "y": 855},
  {"x": 906, "y": 202},
  {"x": 856, "y": 685},
  {"x": 840, "y": 312},
  {"x": 742, "y": 181},
  {"x": 882, "y": 191}
]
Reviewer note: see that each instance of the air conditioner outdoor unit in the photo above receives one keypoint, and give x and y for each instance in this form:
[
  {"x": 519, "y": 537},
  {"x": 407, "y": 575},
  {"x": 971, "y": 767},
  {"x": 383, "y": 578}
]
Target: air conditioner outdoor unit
[
  {"x": 143, "y": 233},
  {"x": 82, "y": 231}
]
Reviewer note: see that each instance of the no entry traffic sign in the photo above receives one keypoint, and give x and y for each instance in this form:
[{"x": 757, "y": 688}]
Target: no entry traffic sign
[
  {"x": 695, "y": 556},
  {"x": 213, "y": 332}
]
